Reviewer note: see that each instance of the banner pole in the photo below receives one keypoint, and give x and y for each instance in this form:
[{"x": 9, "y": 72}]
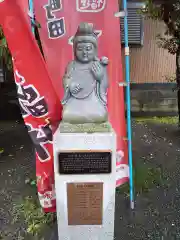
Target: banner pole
[
  {"x": 128, "y": 101},
  {"x": 31, "y": 11}
]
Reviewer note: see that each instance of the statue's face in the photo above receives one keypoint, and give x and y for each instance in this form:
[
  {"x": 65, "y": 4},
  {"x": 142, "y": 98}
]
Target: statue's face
[{"x": 85, "y": 52}]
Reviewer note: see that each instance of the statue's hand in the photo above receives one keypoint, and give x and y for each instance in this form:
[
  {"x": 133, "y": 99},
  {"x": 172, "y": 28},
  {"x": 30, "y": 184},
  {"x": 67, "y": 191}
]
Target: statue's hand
[
  {"x": 75, "y": 88},
  {"x": 97, "y": 70}
]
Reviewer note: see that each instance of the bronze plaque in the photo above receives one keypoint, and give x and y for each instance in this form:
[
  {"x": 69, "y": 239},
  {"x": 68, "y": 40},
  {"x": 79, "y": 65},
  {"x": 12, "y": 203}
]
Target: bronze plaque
[
  {"x": 85, "y": 203},
  {"x": 85, "y": 162}
]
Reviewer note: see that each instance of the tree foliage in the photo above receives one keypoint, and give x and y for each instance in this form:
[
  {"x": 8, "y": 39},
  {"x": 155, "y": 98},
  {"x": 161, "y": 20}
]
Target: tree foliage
[
  {"x": 167, "y": 11},
  {"x": 5, "y": 55}
]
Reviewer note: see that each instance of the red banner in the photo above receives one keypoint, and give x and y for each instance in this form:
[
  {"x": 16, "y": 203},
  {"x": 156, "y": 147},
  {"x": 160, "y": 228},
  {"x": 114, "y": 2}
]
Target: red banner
[
  {"x": 25, "y": 7},
  {"x": 40, "y": 106},
  {"x": 59, "y": 20}
]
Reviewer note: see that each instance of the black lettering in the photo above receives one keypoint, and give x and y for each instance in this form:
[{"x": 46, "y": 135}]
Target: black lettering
[
  {"x": 56, "y": 28},
  {"x": 40, "y": 137}
]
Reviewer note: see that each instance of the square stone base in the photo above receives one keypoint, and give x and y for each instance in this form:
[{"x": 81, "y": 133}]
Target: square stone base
[{"x": 85, "y": 202}]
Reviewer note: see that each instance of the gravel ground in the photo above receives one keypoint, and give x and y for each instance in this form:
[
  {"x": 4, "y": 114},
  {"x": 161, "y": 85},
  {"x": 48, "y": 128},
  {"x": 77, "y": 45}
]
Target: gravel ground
[
  {"x": 157, "y": 212},
  {"x": 16, "y": 165}
]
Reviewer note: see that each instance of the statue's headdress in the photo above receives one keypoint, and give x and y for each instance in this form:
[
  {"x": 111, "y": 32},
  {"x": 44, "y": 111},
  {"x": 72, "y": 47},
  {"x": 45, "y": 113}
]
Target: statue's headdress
[{"x": 85, "y": 33}]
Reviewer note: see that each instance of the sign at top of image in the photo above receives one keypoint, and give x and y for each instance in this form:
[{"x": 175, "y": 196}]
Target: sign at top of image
[{"x": 90, "y": 5}]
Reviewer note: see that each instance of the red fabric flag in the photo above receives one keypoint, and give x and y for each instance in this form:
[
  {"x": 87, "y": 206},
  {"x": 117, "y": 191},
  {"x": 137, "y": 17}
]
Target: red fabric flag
[{"x": 40, "y": 106}]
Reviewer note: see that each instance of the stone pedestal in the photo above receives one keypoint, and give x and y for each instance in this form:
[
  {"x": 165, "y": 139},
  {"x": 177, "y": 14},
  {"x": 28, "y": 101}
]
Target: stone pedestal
[{"x": 85, "y": 181}]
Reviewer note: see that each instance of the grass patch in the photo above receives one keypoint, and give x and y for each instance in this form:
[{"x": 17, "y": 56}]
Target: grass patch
[
  {"x": 161, "y": 120},
  {"x": 36, "y": 220},
  {"x": 145, "y": 178},
  {"x": 1, "y": 150}
]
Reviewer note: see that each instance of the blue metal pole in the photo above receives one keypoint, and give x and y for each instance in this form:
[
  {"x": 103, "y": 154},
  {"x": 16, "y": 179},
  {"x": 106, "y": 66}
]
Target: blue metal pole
[
  {"x": 31, "y": 10},
  {"x": 128, "y": 102}
]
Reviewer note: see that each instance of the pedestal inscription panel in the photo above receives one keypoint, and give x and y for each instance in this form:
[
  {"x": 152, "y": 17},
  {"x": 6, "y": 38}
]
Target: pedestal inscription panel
[
  {"x": 85, "y": 203},
  {"x": 85, "y": 162}
]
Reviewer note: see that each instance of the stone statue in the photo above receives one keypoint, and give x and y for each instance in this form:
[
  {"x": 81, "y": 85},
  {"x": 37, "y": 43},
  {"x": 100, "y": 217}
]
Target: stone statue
[{"x": 85, "y": 81}]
